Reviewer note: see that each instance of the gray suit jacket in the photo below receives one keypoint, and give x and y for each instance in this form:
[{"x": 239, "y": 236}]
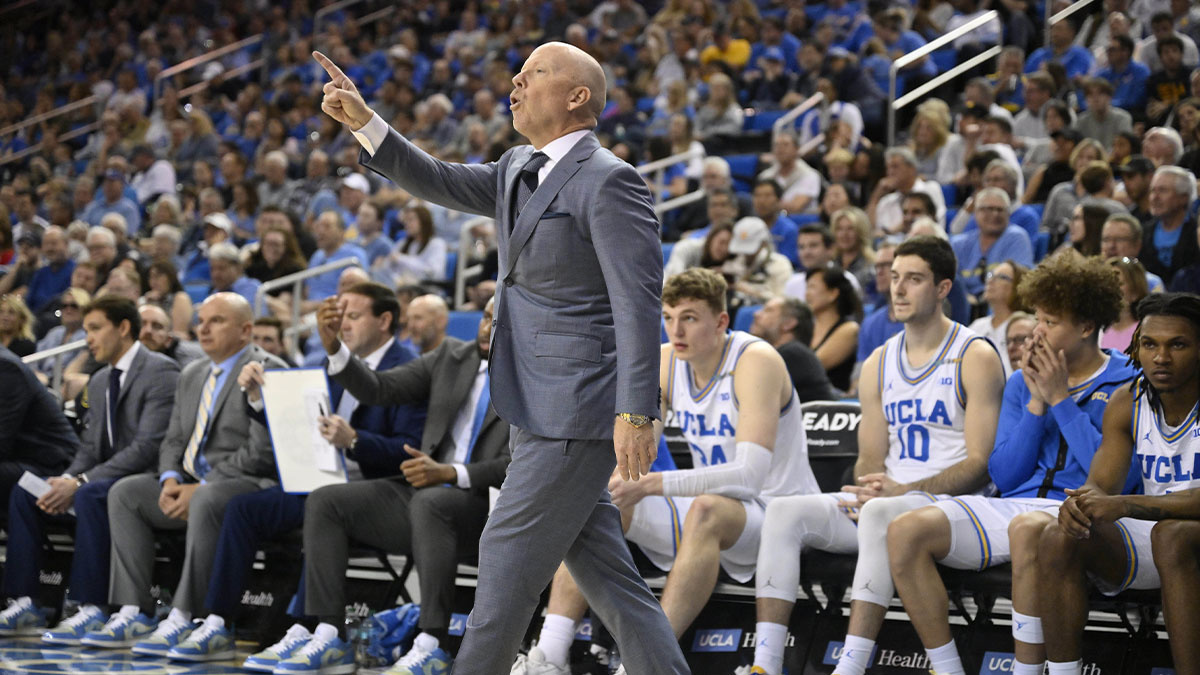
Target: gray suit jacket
[
  {"x": 236, "y": 445},
  {"x": 443, "y": 378},
  {"x": 143, "y": 408},
  {"x": 578, "y": 304}
]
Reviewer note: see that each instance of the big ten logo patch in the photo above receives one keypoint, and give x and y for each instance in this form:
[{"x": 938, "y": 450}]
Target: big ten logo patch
[{"x": 717, "y": 640}]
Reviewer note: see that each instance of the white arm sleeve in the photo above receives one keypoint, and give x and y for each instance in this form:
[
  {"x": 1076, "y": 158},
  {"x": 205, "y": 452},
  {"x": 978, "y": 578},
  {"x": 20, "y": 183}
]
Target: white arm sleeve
[{"x": 742, "y": 478}]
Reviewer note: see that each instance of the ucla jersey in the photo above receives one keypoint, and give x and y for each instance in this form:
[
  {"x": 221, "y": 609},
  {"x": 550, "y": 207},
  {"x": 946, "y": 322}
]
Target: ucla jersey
[
  {"x": 924, "y": 408},
  {"x": 708, "y": 417},
  {"x": 1167, "y": 457}
]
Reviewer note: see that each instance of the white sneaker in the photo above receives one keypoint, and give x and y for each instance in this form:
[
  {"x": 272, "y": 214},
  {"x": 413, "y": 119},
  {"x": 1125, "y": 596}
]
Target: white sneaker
[{"x": 535, "y": 663}]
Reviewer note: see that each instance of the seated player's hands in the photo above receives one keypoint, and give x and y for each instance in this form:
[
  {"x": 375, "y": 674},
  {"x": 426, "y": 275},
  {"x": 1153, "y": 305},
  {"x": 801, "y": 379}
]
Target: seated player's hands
[
  {"x": 329, "y": 323},
  {"x": 337, "y": 430},
  {"x": 627, "y": 493},
  {"x": 422, "y": 471},
  {"x": 1097, "y": 507},
  {"x": 60, "y": 496},
  {"x": 635, "y": 448},
  {"x": 251, "y": 380},
  {"x": 882, "y": 484},
  {"x": 1071, "y": 516},
  {"x": 342, "y": 101}
]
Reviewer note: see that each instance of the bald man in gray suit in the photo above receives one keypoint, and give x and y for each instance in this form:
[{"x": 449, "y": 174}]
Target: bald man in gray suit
[{"x": 574, "y": 356}]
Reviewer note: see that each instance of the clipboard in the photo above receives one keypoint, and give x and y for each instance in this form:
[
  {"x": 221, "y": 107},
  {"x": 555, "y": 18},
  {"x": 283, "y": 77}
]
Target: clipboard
[{"x": 293, "y": 400}]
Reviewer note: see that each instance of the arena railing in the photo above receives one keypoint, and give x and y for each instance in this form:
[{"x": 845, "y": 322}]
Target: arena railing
[
  {"x": 295, "y": 281},
  {"x": 92, "y": 100},
  {"x": 906, "y": 100},
  {"x": 658, "y": 168},
  {"x": 60, "y": 351},
  {"x": 203, "y": 59},
  {"x": 470, "y": 247},
  {"x": 801, "y": 108},
  {"x": 34, "y": 149},
  {"x": 329, "y": 9},
  {"x": 1052, "y": 19}
]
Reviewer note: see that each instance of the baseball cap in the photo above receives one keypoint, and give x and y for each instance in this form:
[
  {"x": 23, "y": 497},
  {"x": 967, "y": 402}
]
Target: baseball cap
[
  {"x": 749, "y": 234},
  {"x": 773, "y": 53},
  {"x": 220, "y": 221},
  {"x": 1137, "y": 164},
  {"x": 837, "y": 53},
  {"x": 31, "y": 238},
  {"x": 1070, "y": 134},
  {"x": 357, "y": 181}
]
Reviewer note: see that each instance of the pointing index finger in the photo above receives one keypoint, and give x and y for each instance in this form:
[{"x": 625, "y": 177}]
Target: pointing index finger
[{"x": 330, "y": 67}]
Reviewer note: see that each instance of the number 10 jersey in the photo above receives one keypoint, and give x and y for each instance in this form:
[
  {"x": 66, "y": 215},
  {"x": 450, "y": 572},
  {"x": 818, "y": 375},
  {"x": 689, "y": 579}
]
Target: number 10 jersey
[{"x": 925, "y": 407}]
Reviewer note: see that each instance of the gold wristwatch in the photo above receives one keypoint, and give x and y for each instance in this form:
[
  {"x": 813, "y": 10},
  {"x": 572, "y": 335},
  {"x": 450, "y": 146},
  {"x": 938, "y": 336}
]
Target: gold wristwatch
[{"x": 635, "y": 419}]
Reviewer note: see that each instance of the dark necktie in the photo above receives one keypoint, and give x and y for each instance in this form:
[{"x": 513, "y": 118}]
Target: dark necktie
[
  {"x": 114, "y": 394},
  {"x": 528, "y": 182}
]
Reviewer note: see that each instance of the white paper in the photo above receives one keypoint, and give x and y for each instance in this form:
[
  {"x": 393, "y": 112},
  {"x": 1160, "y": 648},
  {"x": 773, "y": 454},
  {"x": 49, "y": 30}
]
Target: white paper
[
  {"x": 294, "y": 400},
  {"x": 37, "y": 486}
]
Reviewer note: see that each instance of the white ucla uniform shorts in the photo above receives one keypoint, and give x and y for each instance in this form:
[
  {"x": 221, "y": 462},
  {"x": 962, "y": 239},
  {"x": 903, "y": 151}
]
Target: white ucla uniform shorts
[
  {"x": 979, "y": 527},
  {"x": 1141, "y": 574},
  {"x": 657, "y": 527}
]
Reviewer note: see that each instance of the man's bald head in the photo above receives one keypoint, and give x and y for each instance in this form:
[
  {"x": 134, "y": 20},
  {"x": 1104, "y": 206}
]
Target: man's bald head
[
  {"x": 582, "y": 69},
  {"x": 560, "y": 89},
  {"x": 234, "y": 305}
]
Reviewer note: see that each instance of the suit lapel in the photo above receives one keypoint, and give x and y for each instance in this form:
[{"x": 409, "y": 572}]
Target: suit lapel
[
  {"x": 127, "y": 379},
  {"x": 528, "y": 219}
]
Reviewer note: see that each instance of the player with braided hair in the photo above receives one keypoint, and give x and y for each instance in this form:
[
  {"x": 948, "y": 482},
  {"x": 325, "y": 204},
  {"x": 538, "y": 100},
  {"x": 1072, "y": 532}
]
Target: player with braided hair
[{"x": 1136, "y": 541}]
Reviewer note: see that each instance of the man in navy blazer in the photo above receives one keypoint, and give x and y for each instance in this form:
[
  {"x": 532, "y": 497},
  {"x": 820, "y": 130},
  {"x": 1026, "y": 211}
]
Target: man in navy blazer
[{"x": 575, "y": 349}]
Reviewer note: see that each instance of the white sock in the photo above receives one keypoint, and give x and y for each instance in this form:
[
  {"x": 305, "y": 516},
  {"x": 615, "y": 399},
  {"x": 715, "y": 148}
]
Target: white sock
[
  {"x": 179, "y": 617},
  {"x": 1028, "y": 668},
  {"x": 945, "y": 659},
  {"x": 1065, "y": 668},
  {"x": 856, "y": 656},
  {"x": 215, "y": 620},
  {"x": 24, "y": 601},
  {"x": 129, "y": 610},
  {"x": 558, "y": 632},
  {"x": 325, "y": 632},
  {"x": 425, "y": 643},
  {"x": 770, "y": 639}
]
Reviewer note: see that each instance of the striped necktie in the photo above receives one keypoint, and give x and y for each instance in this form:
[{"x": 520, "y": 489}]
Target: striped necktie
[{"x": 193, "y": 447}]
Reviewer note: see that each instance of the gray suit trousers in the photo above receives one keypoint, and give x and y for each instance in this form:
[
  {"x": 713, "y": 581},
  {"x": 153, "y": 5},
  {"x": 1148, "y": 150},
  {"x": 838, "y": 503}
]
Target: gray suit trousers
[
  {"x": 133, "y": 516},
  {"x": 554, "y": 506},
  {"x": 435, "y": 525}
]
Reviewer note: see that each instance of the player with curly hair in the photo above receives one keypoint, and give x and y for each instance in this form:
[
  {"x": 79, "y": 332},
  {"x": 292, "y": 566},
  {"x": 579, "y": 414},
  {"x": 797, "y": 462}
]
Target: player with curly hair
[{"x": 1050, "y": 423}]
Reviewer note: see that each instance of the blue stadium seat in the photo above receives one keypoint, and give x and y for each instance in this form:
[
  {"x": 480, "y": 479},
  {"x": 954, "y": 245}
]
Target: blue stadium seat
[
  {"x": 950, "y": 194},
  {"x": 464, "y": 325},
  {"x": 944, "y": 59},
  {"x": 1041, "y": 246},
  {"x": 197, "y": 292},
  {"x": 951, "y": 211},
  {"x": 646, "y": 104},
  {"x": 743, "y": 166},
  {"x": 763, "y": 121},
  {"x": 745, "y": 317},
  {"x": 802, "y": 219},
  {"x": 667, "y": 248},
  {"x": 451, "y": 264}
]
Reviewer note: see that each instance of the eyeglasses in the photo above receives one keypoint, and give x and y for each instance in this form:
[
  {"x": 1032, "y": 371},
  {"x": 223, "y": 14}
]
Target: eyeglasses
[
  {"x": 1018, "y": 339},
  {"x": 991, "y": 209},
  {"x": 998, "y": 277}
]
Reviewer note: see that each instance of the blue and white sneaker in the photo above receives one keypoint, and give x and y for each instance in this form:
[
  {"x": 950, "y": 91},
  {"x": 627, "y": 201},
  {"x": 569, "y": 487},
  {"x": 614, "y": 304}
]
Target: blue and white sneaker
[
  {"x": 212, "y": 641},
  {"x": 266, "y": 660},
  {"x": 170, "y": 632},
  {"x": 324, "y": 654},
  {"x": 425, "y": 658},
  {"x": 124, "y": 629},
  {"x": 71, "y": 630},
  {"x": 22, "y": 618}
]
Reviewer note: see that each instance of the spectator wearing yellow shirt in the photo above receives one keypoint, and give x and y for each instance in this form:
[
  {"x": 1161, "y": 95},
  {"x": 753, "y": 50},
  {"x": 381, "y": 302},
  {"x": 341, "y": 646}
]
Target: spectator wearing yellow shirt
[{"x": 733, "y": 51}]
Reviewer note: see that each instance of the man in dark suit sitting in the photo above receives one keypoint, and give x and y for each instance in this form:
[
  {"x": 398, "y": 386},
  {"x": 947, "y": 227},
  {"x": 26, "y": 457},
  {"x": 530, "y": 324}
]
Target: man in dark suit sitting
[
  {"x": 372, "y": 438},
  {"x": 129, "y": 401},
  {"x": 439, "y": 505},
  {"x": 211, "y": 453}
]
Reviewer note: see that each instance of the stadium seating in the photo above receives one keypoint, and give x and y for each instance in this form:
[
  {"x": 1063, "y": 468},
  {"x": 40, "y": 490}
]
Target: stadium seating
[{"x": 463, "y": 325}]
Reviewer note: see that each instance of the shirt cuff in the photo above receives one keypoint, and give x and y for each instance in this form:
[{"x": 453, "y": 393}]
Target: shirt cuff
[
  {"x": 256, "y": 406},
  {"x": 464, "y": 478},
  {"x": 372, "y": 134},
  {"x": 170, "y": 474},
  {"x": 338, "y": 361}
]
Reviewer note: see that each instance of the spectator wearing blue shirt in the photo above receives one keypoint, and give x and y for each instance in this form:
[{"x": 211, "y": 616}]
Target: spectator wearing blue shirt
[
  {"x": 226, "y": 272},
  {"x": 370, "y": 233},
  {"x": 772, "y": 34},
  {"x": 889, "y": 27},
  {"x": 1128, "y": 77},
  {"x": 217, "y": 228},
  {"x": 992, "y": 243},
  {"x": 766, "y": 196},
  {"x": 1075, "y": 59},
  {"x": 112, "y": 200},
  {"x": 54, "y": 277},
  {"x": 1169, "y": 243},
  {"x": 330, "y": 232}
]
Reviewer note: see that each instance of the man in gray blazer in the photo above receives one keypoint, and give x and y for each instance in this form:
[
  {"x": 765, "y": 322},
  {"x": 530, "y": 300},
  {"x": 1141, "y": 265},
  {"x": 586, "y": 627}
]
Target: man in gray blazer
[
  {"x": 575, "y": 349},
  {"x": 120, "y": 439},
  {"x": 212, "y": 452}
]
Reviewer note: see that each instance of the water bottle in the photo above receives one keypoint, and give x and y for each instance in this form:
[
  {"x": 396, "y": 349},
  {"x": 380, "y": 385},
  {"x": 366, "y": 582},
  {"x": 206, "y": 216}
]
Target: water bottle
[{"x": 614, "y": 660}]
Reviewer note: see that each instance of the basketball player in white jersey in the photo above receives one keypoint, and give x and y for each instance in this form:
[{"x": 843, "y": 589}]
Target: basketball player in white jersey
[
  {"x": 731, "y": 395},
  {"x": 1050, "y": 425},
  {"x": 925, "y": 431},
  {"x": 1115, "y": 540}
]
